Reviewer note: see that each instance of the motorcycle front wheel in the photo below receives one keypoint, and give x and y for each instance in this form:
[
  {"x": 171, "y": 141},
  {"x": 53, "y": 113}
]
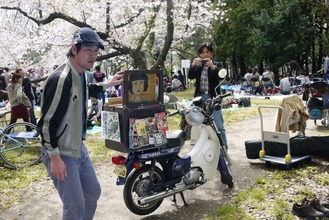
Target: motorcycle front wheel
[{"x": 138, "y": 186}]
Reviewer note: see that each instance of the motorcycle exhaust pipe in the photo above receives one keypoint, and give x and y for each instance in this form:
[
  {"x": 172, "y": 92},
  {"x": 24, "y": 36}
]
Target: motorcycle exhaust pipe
[{"x": 161, "y": 195}]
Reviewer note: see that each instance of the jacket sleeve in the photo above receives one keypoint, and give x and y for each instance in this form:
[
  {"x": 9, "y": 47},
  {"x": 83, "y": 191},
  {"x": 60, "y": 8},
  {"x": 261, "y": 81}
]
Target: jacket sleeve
[
  {"x": 214, "y": 72},
  {"x": 55, "y": 98},
  {"x": 192, "y": 72}
]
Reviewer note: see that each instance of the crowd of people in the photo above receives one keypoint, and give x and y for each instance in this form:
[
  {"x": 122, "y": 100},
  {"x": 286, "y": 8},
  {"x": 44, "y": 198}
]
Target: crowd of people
[{"x": 284, "y": 83}]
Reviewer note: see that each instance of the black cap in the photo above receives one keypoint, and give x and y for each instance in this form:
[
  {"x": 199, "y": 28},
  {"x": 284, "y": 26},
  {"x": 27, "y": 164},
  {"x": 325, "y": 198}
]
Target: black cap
[{"x": 86, "y": 36}]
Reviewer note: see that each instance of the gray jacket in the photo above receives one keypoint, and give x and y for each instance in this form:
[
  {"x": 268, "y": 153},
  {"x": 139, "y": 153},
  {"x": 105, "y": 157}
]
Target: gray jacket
[{"x": 60, "y": 125}]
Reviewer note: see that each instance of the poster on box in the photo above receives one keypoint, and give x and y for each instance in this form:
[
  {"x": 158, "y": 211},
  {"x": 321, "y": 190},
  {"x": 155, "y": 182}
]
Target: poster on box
[
  {"x": 140, "y": 126},
  {"x": 160, "y": 138},
  {"x": 161, "y": 120},
  {"x": 151, "y": 125},
  {"x": 143, "y": 141},
  {"x": 111, "y": 126},
  {"x": 134, "y": 141}
]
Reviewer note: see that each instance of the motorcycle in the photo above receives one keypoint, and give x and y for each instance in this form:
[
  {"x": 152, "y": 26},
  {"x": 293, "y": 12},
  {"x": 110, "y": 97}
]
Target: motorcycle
[{"x": 152, "y": 175}]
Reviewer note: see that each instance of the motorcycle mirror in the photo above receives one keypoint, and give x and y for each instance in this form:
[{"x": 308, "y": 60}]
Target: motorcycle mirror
[
  {"x": 222, "y": 73},
  {"x": 197, "y": 101}
]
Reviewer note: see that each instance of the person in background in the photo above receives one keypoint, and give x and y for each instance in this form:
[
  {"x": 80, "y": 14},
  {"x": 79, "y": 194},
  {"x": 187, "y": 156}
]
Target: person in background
[
  {"x": 285, "y": 85},
  {"x": 90, "y": 76},
  {"x": 181, "y": 78},
  {"x": 8, "y": 75},
  {"x": 63, "y": 125},
  {"x": 326, "y": 68},
  {"x": 95, "y": 112},
  {"x": 205, "y": 72},
  {"x": 268, "y": 74},
  {"x": 99, "y": 77},
  {"x": 18, "y": 100},
  {"x": 255, "y": 78},
  {"x": 3, "y": 83},
  {"x": 176, "y": 84},
  {"x": 27, "y": 89},
  {"x": 248, "y": 77},
  {"x": 295, "y": 69}
]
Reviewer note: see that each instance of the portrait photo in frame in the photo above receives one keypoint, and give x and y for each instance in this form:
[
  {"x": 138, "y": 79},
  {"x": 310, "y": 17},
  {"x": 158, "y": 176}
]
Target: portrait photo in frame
[{"x": 142, "y": 88}]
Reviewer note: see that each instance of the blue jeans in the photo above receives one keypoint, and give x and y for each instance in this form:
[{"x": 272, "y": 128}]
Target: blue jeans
[
  {"x": 80, "y": 190},
  {"x": 102, "y": 96},
  {"x": 32, "y": 115},
  {"x": 219, "y": 121}
]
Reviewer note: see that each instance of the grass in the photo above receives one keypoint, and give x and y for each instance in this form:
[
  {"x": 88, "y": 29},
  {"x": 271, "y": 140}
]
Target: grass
[{"x": 275, "y": 192}]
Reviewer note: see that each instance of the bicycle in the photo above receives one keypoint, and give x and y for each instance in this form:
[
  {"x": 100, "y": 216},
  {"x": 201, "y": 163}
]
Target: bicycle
[{"x": 20, "y": 145}]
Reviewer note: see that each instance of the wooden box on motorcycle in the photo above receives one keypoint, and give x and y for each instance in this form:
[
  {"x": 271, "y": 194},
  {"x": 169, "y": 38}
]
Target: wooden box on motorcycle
[{"x": 139, "y": 123}]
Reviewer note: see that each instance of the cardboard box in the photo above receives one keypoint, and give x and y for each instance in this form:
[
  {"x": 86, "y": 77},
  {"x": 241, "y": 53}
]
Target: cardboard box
[{"x": 124, "y": 118}]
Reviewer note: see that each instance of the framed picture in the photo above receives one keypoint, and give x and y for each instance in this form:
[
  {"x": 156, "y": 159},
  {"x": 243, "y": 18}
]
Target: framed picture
[{"x": 142, "y": 88}]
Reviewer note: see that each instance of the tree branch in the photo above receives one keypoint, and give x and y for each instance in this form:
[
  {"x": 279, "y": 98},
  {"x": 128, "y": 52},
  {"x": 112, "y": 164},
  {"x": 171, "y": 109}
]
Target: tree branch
[
  {"x": 50, "y": 18},
  {"x": 131, "y": 19},
  {"x": 169, "y": 38}
]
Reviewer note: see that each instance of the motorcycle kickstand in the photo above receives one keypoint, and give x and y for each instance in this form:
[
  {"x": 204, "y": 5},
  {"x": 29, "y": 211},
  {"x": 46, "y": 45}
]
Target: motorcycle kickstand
[{"x": 183, "y": 198}]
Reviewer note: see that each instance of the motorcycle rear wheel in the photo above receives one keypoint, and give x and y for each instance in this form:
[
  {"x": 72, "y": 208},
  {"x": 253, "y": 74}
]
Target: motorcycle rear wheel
[{"x": 137, "y": 186}]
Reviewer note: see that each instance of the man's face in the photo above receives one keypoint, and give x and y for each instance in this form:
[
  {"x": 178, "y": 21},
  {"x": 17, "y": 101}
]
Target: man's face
[
  {"x": 85, "y": 58},
  {"x": 205, "y": 53},
  {"x": 137, "y": 87}
]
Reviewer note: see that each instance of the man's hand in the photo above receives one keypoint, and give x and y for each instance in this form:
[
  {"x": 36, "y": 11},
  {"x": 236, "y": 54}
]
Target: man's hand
[
  {"x": 209, "y": 63},
  {"x": 117, "y": 79},
  {"x": 196, "y": 61},
  {"x": 57, "y": 167}
]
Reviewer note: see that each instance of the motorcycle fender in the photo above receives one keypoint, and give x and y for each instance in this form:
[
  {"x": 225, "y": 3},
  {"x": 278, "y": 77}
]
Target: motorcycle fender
[
  {"x": 130, "y": 166},
  {"x": 206, "y": 157}
]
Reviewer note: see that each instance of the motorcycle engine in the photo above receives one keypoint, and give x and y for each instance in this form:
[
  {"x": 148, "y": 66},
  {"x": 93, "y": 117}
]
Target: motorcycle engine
[{"x": 192, "y": 176}]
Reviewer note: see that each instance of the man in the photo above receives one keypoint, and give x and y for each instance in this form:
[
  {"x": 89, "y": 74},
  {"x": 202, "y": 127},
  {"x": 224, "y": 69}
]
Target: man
[
  {"x": 268, "y": 80},
  {"x": 27, "y": 89},
  {"x": 205, "y": 71},
  {"x": 285, "y": 86},
  {"x": 63, "y": 127}
]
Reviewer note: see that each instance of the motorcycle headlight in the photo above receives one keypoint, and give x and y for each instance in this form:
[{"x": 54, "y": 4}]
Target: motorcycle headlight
[{"x": 194, "y": 116}]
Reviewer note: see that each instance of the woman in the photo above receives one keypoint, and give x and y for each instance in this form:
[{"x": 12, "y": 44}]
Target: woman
[{"x": 18, "y": 100}]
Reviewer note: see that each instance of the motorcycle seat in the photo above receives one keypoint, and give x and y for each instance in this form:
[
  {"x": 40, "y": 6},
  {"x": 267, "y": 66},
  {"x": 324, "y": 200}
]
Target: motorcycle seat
[{"x": 176, "y": 138}]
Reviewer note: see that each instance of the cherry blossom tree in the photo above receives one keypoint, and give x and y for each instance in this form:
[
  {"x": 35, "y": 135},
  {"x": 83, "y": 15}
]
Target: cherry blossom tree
[{"x": 141, "y": 31}]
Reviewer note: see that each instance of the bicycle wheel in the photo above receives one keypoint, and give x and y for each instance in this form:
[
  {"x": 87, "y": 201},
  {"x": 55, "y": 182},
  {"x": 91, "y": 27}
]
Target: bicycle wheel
[{"x": 20, "y": 145}]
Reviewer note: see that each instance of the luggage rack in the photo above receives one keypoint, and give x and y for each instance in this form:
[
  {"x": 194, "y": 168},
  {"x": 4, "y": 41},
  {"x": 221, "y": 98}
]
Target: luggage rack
[{"x": 280, "y": 137}]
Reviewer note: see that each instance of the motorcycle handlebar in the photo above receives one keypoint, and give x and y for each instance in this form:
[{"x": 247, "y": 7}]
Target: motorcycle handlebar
[
  {"x": 220, "y": 97},
  {"x": 174, "y": 113},
  {"x": 225, "y": 95}
]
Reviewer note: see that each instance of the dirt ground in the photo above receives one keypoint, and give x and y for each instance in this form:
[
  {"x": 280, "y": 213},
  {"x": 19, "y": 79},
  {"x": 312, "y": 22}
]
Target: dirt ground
[{"x": 43, "y": 201}]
